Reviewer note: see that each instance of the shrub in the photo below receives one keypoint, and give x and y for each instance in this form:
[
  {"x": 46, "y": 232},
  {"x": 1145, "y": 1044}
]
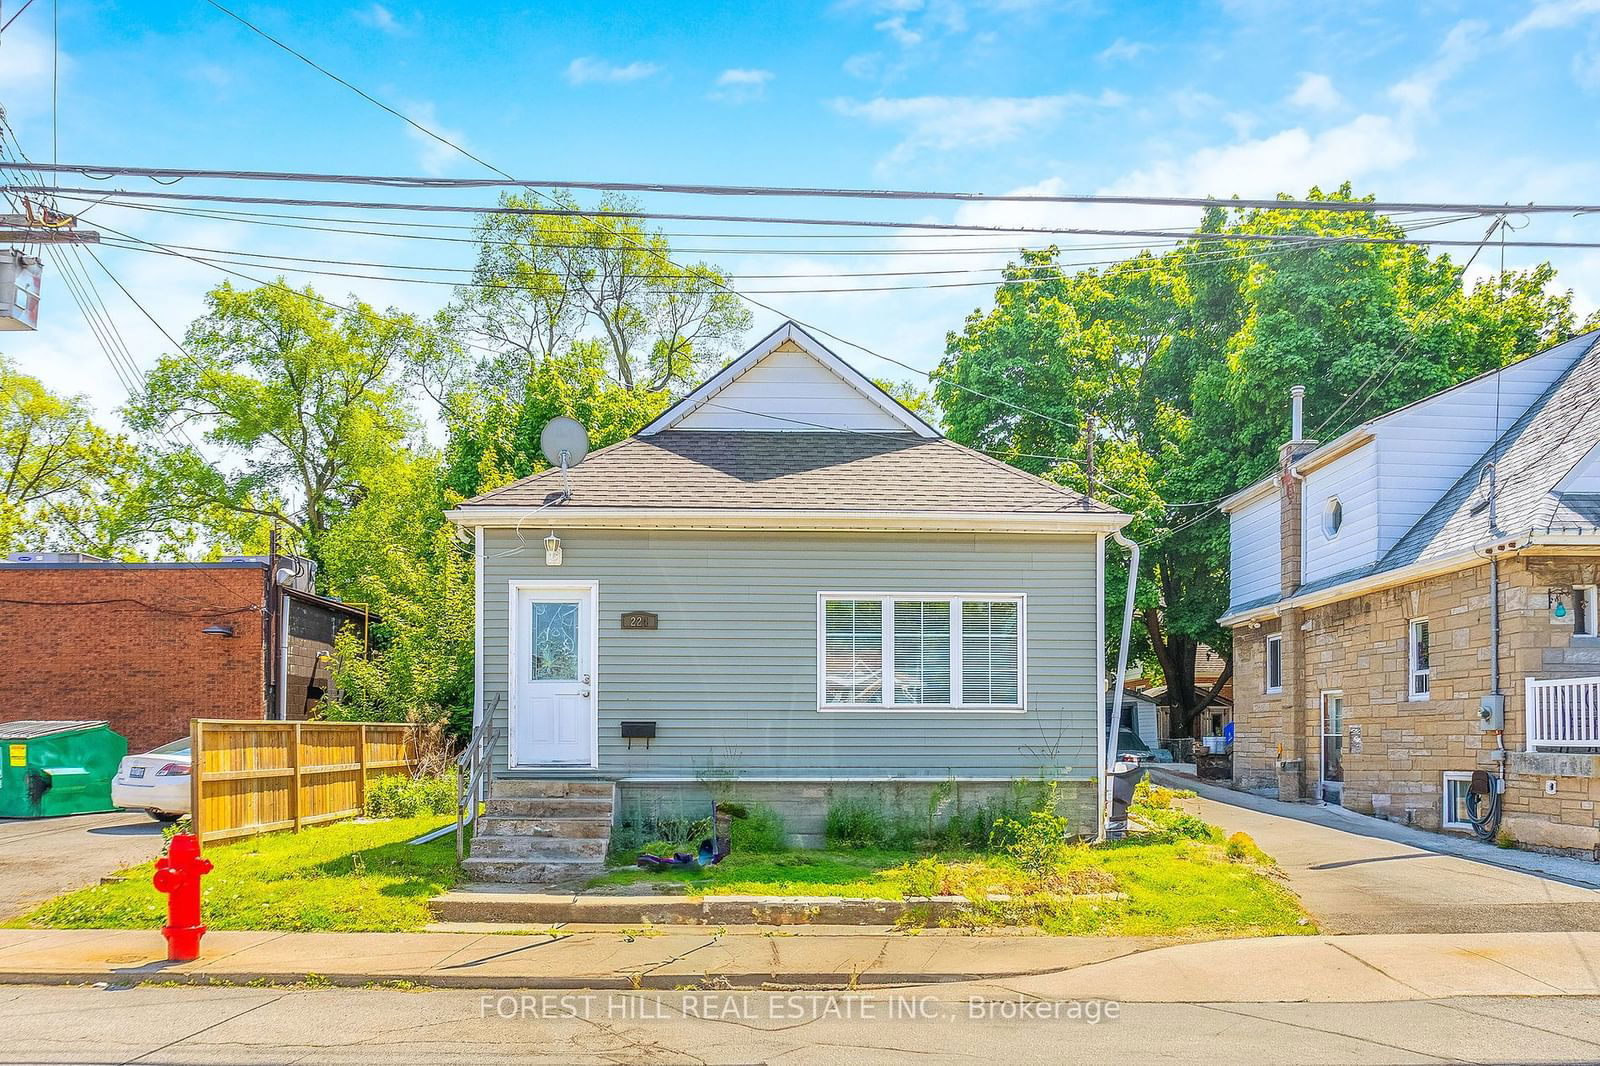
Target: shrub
[
  {"x": 399, "y": 796},
  {"x": 760, "y": 830},
  {"x": 1241, "y": 848},
  {"x": 855, "y": 823},
  {"x": 1039, "y": 845}
]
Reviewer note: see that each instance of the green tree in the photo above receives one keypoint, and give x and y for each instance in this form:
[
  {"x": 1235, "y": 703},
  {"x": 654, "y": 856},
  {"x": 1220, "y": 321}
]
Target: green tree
[
  {"x": 299, "y": 402},
  {"x": 1184, "y": 362},
  {"x": 542, "y": 280},
  {"x": 65, "y": 482}
]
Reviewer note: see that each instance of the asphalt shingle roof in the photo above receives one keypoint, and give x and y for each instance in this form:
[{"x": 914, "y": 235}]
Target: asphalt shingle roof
[{"x": 755, "y": 470}]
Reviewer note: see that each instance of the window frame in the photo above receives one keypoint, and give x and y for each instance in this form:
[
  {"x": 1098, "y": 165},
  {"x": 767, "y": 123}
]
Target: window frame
[
  {"x": 1446, "y": 811},
  {"x": 1412, "y": 670},
  {"x": 1589, "y": 616},
  {"x": 955, "y": 599},
  {"x": 1332, "y": 517},
  {"x": 1274, "y": 640}
]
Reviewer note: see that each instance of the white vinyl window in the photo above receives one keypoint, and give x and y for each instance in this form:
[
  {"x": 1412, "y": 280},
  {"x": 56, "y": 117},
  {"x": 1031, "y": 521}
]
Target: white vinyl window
[
  {"x": 1454, "y": 815},
  {"x": 1419, "y": 671},
  {"x": 933, "y": 652},
  {"x": 1275, "y": 663},
  {"x": 1584, "y": 611}
]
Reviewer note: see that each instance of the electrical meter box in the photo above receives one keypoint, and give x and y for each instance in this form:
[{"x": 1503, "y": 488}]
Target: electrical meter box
[
  {"x": 49, "y": 768},
  {"x": 20, "y": 278}
]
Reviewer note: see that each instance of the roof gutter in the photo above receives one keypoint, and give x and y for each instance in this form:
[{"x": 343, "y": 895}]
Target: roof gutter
[{"x": 709, "y": 518}]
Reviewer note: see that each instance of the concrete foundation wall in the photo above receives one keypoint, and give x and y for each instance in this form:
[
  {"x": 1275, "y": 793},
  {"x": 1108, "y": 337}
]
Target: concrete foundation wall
[{"x": 803, "y": 806}]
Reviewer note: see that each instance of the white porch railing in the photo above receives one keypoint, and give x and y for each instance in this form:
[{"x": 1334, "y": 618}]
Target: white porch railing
[{"x": 1563, "y": 713}]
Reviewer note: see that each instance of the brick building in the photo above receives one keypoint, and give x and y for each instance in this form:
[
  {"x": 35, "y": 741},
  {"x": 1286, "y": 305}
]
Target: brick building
[
  {"x": 148, "y": 646},
  {"x": 1383, "y": 610}
]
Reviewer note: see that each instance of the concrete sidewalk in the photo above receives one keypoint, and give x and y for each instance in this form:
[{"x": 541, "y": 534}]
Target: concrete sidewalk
[{"x": 1266, "y": 970}]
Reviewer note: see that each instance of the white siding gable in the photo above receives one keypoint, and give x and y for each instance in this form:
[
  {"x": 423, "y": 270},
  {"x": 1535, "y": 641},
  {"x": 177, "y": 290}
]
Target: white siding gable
[
  {"x": 790, "y": 382},
  {"x": 1425, "y": 448},
  {"x": 790, "y": 390},
  {"x": 1254, "y": 539},
  {"x": 1352, "y": 480}
]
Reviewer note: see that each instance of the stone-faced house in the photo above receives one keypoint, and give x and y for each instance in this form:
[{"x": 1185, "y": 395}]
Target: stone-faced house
[
  {"x": 1368, "y": 639},
  {"x": 786, "y": 586}
]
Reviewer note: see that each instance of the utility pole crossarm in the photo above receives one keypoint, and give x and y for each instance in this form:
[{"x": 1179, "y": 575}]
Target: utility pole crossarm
[{"x": 18, "y": 229}]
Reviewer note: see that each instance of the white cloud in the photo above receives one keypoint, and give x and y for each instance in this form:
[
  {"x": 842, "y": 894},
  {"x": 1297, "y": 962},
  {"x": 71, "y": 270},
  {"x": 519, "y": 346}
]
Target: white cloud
[
  {"x": 738, "y": 85},
  {"x": 1317, "y": 93},
  {"x": 948, "y": 123},
  {"x": 586, "y": 70},
  {"x": 898, "y": 31},
  {"x": 434, "y": 157},
  {"x": 1122, "y": 50},
  {"x": 1461, "y": 45},
  {"x": 1554, "y": 15},
  {"x": 382, "y": 19}
]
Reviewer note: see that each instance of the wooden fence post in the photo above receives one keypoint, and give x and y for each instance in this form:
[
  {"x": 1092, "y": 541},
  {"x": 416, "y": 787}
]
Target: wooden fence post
[
  {"x": 361, "y": 772},
  {"x": 295, "y": 806},
  {"x": 197, "y": 730}
]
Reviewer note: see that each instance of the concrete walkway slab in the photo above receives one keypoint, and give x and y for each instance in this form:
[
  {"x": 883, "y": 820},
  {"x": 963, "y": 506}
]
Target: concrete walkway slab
[
  {"x": 1342, "y": 969},
  {"x": 1368, "y": 882}
]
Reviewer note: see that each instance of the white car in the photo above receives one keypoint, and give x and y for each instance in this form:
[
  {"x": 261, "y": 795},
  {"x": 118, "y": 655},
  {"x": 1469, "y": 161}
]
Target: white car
[{"x": 156, "y": 782}]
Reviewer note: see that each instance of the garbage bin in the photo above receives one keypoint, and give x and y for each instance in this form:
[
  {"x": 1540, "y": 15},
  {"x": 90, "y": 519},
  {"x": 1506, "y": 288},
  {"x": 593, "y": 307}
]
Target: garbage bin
[
  {"x": 1124, "y": 776},
  {"x": 51, "y": 768}
]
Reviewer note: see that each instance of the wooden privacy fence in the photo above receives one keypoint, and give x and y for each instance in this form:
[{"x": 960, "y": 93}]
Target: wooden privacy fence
[{"x": 254, "y": 777}]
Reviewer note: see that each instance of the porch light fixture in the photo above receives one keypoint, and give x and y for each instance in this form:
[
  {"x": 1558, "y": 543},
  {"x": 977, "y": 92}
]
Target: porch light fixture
[
  {"x": 552, "y": 550},
  {"x": 218, "y": 631}
]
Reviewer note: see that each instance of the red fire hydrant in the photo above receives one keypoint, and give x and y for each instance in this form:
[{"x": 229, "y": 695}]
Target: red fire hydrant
[{"x": 178, "y": 875}]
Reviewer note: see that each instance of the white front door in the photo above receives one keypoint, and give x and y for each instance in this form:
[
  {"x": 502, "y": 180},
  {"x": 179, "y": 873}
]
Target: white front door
[{"x": 553, "y": 670}]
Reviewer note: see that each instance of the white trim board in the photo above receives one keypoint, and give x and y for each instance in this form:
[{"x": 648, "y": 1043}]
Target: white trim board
[
  {"x": 828, "y": 521},
  {"x": 789, "y": 331}
]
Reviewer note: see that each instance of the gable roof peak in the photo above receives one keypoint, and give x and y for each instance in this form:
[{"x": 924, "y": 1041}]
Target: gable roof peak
[{"x": 874, "y": 410}]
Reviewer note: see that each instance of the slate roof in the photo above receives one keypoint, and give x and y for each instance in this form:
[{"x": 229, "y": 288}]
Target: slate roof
[{"x": 756, "y": 470}]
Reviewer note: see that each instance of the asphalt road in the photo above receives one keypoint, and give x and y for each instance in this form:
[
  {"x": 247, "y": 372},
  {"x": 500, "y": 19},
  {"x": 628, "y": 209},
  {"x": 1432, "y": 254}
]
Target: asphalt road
[
  {"x": 441, "y": 1026},
  {"x": 43, "y": 857},
  {"x": 1360, "y": 882}
]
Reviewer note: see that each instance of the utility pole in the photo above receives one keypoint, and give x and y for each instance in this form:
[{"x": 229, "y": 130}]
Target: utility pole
[{"x": 1088, "y": 451}]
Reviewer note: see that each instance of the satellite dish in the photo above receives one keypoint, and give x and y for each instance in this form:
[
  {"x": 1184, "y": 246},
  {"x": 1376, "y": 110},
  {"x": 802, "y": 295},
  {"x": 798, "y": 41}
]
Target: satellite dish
[{"x": 564, "y": 441}]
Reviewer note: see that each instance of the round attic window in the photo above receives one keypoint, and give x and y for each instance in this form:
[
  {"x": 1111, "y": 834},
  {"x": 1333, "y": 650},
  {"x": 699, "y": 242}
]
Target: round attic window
[{"x": 1332, "y": 517}]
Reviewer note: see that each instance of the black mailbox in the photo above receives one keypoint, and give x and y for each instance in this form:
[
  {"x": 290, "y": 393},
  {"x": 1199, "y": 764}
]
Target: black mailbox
[{"x": 645, "y": 731}]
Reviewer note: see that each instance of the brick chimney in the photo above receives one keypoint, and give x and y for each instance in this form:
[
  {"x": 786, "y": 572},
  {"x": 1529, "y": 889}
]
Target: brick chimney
[{"x": 1289, "y": 518}]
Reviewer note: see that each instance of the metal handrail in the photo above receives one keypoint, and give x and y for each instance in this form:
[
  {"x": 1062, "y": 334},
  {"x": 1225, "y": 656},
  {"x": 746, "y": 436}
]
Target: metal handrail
[{"x": 472, "y": 773}]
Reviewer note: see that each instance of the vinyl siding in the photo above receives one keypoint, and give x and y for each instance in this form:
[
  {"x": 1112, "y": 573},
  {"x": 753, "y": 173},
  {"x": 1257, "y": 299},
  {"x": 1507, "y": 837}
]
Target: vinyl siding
[
  {"x": 1424, "y": 449},
  {"x": 1353, "y": 480},
  {"x": 800, "y": 393},
  {"x": 730, "y": 677},
  {"x": 1254, "y": 539}
]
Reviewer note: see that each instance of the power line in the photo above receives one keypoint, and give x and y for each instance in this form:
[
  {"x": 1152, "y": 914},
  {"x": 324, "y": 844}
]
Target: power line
[
  {"x": 115, "y": 196},
  {"x": 775, "y": 191}
]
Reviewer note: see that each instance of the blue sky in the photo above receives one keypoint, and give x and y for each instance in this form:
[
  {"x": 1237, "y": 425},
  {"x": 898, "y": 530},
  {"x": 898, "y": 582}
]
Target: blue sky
[{"x": 1432, "y": 100}]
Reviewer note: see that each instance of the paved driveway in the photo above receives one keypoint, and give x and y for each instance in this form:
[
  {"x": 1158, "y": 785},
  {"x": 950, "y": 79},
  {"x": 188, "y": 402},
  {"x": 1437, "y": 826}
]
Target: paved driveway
[
  {"x": 43, "y": 857},
  {"x": 1361, "y": 875}
]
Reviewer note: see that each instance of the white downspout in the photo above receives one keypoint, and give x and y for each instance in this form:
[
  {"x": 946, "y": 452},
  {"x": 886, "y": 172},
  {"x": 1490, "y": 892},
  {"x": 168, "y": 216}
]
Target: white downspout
[{"x": 1122, "y": 676}]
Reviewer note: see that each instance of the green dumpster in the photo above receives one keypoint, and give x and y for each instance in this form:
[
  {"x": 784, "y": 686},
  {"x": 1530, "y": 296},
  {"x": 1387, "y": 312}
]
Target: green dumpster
[{"x": 49, "y": 768}]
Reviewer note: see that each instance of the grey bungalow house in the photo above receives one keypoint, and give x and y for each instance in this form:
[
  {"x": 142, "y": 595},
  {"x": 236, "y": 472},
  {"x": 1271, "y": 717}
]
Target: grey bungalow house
[{"x": 785, "y": 586}]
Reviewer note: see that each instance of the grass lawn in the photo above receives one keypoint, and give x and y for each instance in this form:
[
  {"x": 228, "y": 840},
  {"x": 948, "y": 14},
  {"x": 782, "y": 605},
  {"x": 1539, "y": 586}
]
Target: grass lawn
[
  {"x": 1178, "y": 878},
  {"x": 354, "y": 876}
]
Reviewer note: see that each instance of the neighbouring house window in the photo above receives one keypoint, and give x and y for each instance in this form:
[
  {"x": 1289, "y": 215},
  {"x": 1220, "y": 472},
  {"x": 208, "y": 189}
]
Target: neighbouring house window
[
  {"x": 1584, "y": 611},
  {"x": 1419, "y": 669},
  {"x": 910, "y": 651},
  {"x": 1332, "y": 517},
  {"x": 1454, "y": 815},
  {"x": 1275, "y": 663}
]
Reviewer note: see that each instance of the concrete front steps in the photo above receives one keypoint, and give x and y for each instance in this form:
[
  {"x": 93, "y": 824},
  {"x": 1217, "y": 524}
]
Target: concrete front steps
[{"x": 542, "y": 832}]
